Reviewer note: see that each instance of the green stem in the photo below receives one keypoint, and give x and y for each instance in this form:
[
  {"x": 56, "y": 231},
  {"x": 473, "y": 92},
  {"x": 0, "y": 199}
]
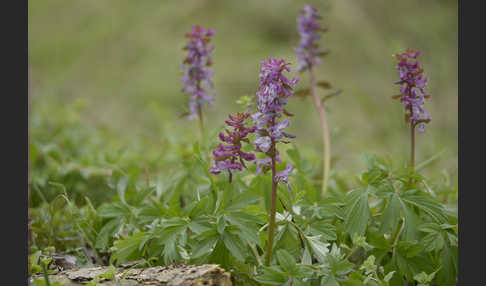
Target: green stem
[
  {"x": 273, "y": 205},
  {"x": 396, "y": 234},
  {"x": 255, "y": 253},
  {"x": 325, "y": 134},
  {"x": 46, "y": 276},
  {"x": 394, "y": 238},
  {"x": 300, "y": 232}
]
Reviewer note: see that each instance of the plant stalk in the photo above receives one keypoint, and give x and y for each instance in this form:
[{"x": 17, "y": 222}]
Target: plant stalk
[
  {"x": 325, "y": 134},
  {"x": 46, "y": 275},
  {"x": 273, "y": 206},
  {"x": 29, "y": 234},
  {"x": 200, "y": 115},
  {"x": 412, "y": 149}
]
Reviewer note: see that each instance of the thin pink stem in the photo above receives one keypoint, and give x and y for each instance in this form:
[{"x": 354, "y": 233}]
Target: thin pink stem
[
  {"x": 325, "y": 135},
  {"x": 28, "y": 174},
  {"x": 412, "y": 148}
]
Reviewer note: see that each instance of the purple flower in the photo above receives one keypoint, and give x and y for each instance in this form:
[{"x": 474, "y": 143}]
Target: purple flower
[
  {"x": 265, "y": 163},
  {"x": 272, "y": 95},
  {"x": 197, "y": 75},
  {"x": 263, "y": 144},
  {"x": 231, "y": 157},
  {"x": 412, "y": 83},
  {"x": 308, "y": 52},
  {"x": 283, "y": 176}
]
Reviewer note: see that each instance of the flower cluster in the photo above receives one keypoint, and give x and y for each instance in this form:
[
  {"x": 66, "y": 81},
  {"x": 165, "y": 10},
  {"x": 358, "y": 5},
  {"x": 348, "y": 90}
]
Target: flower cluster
[
  {"x": 197, "y": 75},
  {"x": 272, "y": 95},
  {"x": 412, "y": 83},
  {"x": 231, "y": 157},
  {"x": 308, "y": 27}
]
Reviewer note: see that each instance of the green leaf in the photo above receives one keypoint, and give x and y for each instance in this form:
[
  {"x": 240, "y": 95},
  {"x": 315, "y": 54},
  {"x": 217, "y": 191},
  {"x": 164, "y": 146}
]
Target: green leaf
[
  {"x": 409, "y": 248},
  {"x": 206, "y": 171},
  {"x": 447, "y": 274},
  {"x": 433, "y": 241},
  {"x": 114, "y": 210},
  {"x": 142, "y": 195},
  {"x": 306, "y": 257},
  {"x": 388, "y": 276},
  {"x": 410, "y": 266},
  {"x": 198, "y": 226},
  {"x": 204, "y": 246},
  {"x": 242, "y": 201},
  {"x": 340, "y": 266},
  {"x": 34, "y": 269},
  {"x": 199, "y": 208},
  {"x": 452, "y": 239},
  {"x": 110, "y": 273},
  {"x": 429, "y": 227},
  {"x": 128, "y": 249},
  {"x": 171, "y": 252},
  {"x": 410, "y": 230},
  {"x": 426, "y": 204},
  {"x": 378, "y": 241},
  {"x": 219, "y": 255},
  {"x": 235, "y": 246},
  {"x": 108, "y": 231},
  {"x": 329, "y": 281},
  {"x": 357, "y": 212},
  {"x": 34, "y": 261},
  {"x": 319, "y": 248},
  {"x": 150, "y": 212},
  {"x": 303, "y": 271},
  {"x": 286, "y": 261},
  {"x": 221, "y": 224},
  {"x": 287, "y": 238},
  {"x": 272, "y": 276},
  {"x": 325, "y": 229},
  {"x": 391, "y": 216}
]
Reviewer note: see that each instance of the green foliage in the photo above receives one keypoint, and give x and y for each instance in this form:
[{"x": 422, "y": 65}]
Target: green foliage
[{"x": 377, "y": 230}]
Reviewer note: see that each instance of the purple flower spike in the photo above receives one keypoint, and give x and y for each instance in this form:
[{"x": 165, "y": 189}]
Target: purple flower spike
[
  {"x": 231, "y": 157},
  {"x": 197, "y": 75},
  {"x": 308, "y": 52},
  {"x": 274, "y": 91},
  {"x": 412, "y": 83}
]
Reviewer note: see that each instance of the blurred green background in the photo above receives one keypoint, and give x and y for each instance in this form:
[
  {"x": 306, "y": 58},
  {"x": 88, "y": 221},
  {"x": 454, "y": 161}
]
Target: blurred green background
[{"x": 121, "y": 61}]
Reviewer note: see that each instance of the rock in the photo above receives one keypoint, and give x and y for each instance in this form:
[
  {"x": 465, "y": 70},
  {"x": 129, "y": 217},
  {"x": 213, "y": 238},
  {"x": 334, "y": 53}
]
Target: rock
[{"x": 182, "y": 275}]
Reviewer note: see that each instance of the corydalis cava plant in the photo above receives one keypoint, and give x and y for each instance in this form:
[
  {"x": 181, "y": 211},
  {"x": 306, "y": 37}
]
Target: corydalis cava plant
[
  {"x": 273, "y": 93},
  {"x": 229, "y": 157},
  {"x": 197, "y": 73},
  {"x": 412, "y": 83},
  {"x": 309, "y": 56}
]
